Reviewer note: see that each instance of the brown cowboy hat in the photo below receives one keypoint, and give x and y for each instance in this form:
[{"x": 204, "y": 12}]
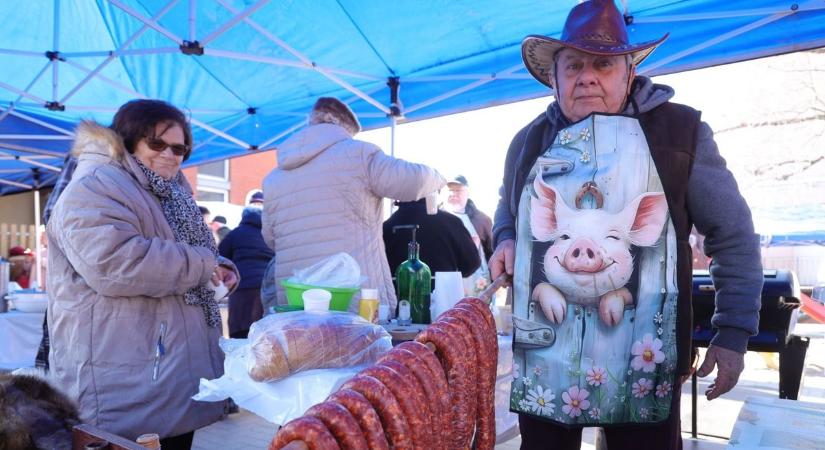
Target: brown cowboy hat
[{"x": 594, "y": 27}]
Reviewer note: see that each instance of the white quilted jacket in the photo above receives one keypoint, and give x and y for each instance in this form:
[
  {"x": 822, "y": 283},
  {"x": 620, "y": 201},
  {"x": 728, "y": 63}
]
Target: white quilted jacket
[{"x": 325, "y": 197}]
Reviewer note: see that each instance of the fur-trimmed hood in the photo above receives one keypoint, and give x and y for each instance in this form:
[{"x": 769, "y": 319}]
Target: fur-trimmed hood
[{"x": 93, "y": 138}]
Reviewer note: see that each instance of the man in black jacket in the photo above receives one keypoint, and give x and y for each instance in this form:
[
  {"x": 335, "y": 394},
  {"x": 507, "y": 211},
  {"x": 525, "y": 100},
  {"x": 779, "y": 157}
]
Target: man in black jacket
[
  {"x": 245, "y": 246},
  {"x": 446, "y": 246}
]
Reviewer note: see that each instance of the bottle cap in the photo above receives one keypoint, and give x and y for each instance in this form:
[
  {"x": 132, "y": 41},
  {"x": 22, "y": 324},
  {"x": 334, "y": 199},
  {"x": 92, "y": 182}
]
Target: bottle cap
[{"x": 371, "y": 294}]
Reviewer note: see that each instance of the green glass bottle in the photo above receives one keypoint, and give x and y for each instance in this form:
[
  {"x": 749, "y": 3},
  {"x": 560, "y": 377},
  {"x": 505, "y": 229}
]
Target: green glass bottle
[{"x": 414, "y": 280}]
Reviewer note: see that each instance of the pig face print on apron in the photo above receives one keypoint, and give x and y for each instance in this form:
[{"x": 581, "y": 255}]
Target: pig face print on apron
[{"x": 595, "y": 281}]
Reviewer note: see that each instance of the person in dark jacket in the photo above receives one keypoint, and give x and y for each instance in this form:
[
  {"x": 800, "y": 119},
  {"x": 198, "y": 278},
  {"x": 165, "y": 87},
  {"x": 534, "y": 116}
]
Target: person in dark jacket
[
  {"x": 245, "y": 246},
  {"x": 446, "y": 246}
]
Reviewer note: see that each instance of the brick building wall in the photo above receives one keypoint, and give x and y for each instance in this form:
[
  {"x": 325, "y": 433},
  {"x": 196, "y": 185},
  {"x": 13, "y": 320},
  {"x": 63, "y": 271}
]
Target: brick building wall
[{"x": 246, "y": 173}]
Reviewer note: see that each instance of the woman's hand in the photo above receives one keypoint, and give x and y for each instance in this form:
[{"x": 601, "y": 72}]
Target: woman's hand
[{"x": 225, "y": 275}]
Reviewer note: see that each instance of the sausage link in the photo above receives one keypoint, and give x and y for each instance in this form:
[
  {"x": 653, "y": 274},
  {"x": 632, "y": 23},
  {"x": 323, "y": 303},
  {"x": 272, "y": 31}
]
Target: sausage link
[
  {"x": 341, "y": 424},
  {"x": 458, "y": 329},
  {"x": 385, "y": 404},
  {"x": 365, "y": 415},
  {"x": 439, "y": 377},
  {"x": 411, "y": 363},
  {"x": 427, "y": 410},
  {"x": 310, "y": 430},
  {"x": 411, "y": 400},
  {"x": 487, "y": 360},
  {"x": 448, "y": 349},
  {"x": 482, "y": 307}
]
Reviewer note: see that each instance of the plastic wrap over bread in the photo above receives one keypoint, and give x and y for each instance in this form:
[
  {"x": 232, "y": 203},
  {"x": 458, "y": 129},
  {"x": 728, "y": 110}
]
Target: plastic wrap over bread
[{"x": 286, "y": 343}]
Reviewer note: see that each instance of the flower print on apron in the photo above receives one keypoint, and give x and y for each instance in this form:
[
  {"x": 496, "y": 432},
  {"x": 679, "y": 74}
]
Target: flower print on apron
[{"x": 595, "y": 281}]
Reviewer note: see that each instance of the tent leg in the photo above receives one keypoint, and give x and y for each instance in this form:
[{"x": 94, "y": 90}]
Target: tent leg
[{"x": 37, "y": 255}]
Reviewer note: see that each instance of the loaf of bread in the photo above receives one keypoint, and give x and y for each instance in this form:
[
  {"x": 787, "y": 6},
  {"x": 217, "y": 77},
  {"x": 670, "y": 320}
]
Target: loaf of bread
[{"x": 286, "y": 343}]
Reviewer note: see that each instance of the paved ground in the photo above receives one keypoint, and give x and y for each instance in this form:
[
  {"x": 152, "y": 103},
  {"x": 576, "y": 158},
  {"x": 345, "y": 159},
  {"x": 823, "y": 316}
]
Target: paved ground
[{"x": 244, "y": 430}]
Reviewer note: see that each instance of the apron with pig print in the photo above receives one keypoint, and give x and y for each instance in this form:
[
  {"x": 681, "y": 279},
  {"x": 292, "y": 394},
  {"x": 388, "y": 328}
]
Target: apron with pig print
[{"x": 595, "y": 281}]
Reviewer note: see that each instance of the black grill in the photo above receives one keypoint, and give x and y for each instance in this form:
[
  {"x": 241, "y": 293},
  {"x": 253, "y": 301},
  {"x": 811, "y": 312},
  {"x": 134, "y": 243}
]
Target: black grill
[{"x": 777, "y": 317}]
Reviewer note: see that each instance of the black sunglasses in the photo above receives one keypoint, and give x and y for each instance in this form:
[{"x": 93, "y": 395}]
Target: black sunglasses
[{"x": 159, "y": 145}]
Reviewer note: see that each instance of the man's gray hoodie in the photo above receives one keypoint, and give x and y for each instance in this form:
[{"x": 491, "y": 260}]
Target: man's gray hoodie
[{"x": 714, "y": 204}]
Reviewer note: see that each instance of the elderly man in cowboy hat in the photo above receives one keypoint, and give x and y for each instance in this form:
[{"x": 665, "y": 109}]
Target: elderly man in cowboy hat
[{"x": 598, "y": 198}]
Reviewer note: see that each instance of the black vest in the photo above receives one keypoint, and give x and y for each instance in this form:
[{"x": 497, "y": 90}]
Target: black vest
[{"x": 671, "y": 131}]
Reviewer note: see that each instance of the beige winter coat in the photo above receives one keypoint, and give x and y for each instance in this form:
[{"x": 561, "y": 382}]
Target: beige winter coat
[
  {"x": 325, "y": 197},
  {"x": 116, "y": 284}
]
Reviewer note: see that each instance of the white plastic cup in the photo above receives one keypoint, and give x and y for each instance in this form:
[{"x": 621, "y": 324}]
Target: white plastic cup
[
  {"x": 450, "y": 287},
  {"x": 316, "y": 299},
  {"x": 220, "y": 289}
]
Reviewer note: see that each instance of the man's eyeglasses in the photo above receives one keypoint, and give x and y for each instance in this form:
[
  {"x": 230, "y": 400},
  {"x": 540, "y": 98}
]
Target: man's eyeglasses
[{"x": 159, "y": 145}]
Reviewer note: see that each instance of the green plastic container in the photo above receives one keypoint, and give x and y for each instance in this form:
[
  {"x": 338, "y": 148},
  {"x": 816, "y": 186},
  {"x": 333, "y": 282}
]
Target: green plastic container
[{"x": 340, "y": 296}]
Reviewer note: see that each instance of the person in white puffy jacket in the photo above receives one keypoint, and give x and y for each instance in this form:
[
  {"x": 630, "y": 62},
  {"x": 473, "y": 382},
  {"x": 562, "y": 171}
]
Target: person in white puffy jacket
[{"x": 325, "y": 196}]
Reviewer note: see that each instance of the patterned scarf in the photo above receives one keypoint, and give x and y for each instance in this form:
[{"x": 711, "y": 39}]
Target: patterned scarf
[{"x": 187, "y": 224}]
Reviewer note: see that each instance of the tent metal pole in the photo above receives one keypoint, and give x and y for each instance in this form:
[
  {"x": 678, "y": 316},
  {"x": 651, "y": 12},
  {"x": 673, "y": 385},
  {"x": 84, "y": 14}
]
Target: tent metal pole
[
  {"x": 34, "y": 80},
  {"x": 461, "y": 90},
  {"x": 285, "y": 62},
  {"x": 88, "y": 78},
  {"x": 220, "y": 133},
  {"x": 393, "y": 121},
  {"x": 42, "y": 154},
  {"x": 283, "y": 133},
  {"x": 304, "y": 122},
  {"x": 116, "y": 53},
  {"x": 16, "y": 184},
  {"x": 37, "y": 250},
  {"x": 55, "y": 45},
  {"x": 140, "y": 51},
  {"x": 11, "y": 88},
  {"x": 810, "y": 6},
  {"x": 711, "y": 42},
  {"x": 193, "y": 11},
  {"x": 11, "y": 51},
  {"x": 106, "y": 79},
  {"x": 308, "y": 62},
  {"x": 42, "y": 123},
  {"x": 155, "y": 26},
  {"x": 255, "y": 58},
  {"x": 225, "y": 130},
  {"x": 32, "y": 162},
  {"x": 467, "y": 76},
  {"x": 35, "y": 137},
  {"x": 233, "y": 21}
]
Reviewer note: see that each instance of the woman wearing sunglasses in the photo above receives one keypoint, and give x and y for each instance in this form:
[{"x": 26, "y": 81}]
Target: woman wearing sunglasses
[{"x": 133, "y": 321}]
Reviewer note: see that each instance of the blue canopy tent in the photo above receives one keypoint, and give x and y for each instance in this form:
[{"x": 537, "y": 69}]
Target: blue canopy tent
[{"x": 249, "y": 70}]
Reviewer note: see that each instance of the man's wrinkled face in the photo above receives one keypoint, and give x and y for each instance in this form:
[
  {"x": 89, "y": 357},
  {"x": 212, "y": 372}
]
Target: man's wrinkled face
[{"x": 588, "y": 83}]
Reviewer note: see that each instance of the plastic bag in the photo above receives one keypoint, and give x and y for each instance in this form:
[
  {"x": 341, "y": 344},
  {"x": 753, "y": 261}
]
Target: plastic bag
[
  {"x": 286, "y": 343},
  {"x": 279, "y": 401},
  {"x": 339, "y": 270}
]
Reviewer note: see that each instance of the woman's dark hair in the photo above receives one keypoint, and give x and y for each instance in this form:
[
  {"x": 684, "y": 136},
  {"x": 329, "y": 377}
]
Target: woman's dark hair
[{"x": 137, "y": 119}]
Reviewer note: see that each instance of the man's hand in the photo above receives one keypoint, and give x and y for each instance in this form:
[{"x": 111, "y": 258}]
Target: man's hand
[
  {"x": 729, "y": 364},
  {"x": 503, "y": 258}
]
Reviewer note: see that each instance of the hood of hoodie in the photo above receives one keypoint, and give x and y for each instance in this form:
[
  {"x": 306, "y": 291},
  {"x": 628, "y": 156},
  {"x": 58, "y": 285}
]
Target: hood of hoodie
[
  {"x": 644, "y": 96},
  {"x": 252, "y": 216},
  {"x": 308, "y": 143}
]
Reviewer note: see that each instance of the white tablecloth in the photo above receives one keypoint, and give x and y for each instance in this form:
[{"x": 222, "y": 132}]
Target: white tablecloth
[
  {"x": 20, "y": 335},
  {"x": 769, "y": 423}
]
